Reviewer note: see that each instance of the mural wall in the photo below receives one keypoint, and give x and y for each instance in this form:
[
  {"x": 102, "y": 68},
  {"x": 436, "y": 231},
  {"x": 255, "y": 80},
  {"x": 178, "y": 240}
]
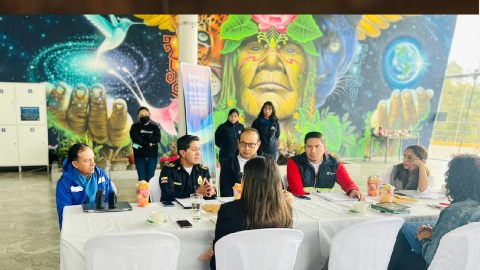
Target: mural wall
[
  {"x": 337, "y": 74},
  {"x": 98, "y": 69}
]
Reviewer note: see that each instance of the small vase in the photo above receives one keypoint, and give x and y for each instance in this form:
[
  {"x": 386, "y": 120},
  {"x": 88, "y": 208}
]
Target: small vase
[
  {"x": 131, "y": 159},
  {"x": 161, "y": 166}
]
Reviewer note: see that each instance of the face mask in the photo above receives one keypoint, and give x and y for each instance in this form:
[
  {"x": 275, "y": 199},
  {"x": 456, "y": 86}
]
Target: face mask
[{"x": 144, "y": 119}]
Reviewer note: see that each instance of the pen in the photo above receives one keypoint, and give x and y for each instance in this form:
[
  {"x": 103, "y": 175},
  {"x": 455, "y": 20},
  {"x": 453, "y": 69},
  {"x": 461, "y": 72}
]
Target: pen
[{"x": 436, "y": 206}]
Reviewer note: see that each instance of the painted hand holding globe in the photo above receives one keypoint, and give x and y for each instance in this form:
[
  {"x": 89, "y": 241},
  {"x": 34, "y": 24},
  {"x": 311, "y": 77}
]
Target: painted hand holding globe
[
  {"x": 83, "y": 111},
  {"x": 402, "y": 110}
]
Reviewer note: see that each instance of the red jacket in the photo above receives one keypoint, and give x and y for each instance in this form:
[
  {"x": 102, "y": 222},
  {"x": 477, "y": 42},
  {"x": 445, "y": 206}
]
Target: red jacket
[{"x": 296, "y": 181}]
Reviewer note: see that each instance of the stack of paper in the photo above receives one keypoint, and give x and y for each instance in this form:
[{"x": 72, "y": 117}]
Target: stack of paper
[
  {"x": 186, "y": 203},
  {"x": 335, "y": 197},
  {"x": 226, "y": 199},
  {"x": 435, "y": 195},
  {"x": 214, "y": 220}
]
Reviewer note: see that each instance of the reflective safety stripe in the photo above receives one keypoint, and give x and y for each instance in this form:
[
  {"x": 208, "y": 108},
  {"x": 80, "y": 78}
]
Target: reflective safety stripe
[
  {"x": 307, "y": 189},
  {"x": 319, "y": 190},
  {"x": 76, "y": 189}
]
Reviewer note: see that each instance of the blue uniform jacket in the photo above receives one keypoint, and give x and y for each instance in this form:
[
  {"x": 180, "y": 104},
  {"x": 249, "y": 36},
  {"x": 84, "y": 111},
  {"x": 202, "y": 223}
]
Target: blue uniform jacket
[{"x": 69, "y": 191}]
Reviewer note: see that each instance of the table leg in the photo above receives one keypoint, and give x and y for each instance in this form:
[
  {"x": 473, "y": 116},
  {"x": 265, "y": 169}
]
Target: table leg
[
  {"x": 400, "y": 150},
  {"x": 386, "y": 150},
  {"x": 371, "y": 150}
]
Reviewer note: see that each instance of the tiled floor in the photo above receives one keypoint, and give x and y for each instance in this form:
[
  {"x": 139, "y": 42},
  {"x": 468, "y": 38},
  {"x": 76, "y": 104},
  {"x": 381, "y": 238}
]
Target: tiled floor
[{"x": 29, "y": 232}]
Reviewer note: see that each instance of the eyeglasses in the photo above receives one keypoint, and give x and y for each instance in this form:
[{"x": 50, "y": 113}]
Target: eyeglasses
[{"x": 251, "y": 145}]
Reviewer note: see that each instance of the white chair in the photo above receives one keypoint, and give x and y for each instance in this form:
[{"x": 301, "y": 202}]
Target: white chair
[
  {"x": 285, "y": 182},
  {"x": 155, "y": 192},
  {"x": 368, "y": 245},
  {"x": 132, "y": 251},
  {"x": 458, "y": 249},
  {"x": 263, "y": 249},
  {"x": 113, "y": 186}
]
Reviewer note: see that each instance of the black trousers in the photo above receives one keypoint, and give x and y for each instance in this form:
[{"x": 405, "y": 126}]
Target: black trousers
[{"x": 403, "y": 257}]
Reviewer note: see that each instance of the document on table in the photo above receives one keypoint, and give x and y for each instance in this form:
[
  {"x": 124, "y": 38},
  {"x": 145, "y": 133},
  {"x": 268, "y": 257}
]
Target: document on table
[
  {"x": 214, "y": 220},
  {"x": 335, "y": 197},
  {"x": 186, "y": 203},
  {"x": 435, "y": 195},
  {"x": 226, "y": 199}
]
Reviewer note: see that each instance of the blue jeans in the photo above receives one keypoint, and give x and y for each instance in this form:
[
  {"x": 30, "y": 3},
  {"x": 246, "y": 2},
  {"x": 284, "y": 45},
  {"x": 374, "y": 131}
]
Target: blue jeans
[{"x": 145, "y": 168}]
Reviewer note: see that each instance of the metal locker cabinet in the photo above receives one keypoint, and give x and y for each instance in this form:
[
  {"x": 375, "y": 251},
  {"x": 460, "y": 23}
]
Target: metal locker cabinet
[
  {"x": 9, "y": 145},
  {"x": 32, "y": 145},
  {"x": 8, "y": 110},
  {"x": 31, "y": 95}
]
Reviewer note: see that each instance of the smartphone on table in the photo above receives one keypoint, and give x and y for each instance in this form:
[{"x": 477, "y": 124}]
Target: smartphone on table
[
  {"x": 184, "y": 224},
  {"x": 167, "y": 204},
  {"x": 303, "y": 197}
]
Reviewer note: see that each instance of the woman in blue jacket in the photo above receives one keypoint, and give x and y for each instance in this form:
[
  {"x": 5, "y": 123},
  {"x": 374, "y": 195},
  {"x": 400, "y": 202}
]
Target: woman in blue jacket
[
  {"x": 463, "y": 191},
  {"x": 269, "y": 129}
]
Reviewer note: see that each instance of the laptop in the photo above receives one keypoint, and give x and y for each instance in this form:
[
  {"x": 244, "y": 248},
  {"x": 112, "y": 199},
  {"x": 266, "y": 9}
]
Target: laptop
[{"x": 121, "y": 206}]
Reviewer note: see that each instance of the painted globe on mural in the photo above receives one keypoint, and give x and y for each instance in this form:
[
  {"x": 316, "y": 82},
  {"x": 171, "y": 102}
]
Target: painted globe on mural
[{"x": 404, "y": 62}]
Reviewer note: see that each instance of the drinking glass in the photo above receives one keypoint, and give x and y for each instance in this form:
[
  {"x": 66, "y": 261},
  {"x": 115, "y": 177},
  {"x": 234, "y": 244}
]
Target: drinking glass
[{"x": 197, "y": 200}]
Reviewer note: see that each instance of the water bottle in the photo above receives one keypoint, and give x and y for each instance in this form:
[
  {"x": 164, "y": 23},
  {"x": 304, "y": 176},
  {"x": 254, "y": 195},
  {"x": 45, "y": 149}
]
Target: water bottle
[
  {"x": 100, "y": 199},
  {"x": 112, "y": 199}
]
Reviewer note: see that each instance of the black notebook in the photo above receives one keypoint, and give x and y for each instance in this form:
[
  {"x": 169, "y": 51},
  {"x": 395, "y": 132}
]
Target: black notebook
[{"x": 121, "y": 206}]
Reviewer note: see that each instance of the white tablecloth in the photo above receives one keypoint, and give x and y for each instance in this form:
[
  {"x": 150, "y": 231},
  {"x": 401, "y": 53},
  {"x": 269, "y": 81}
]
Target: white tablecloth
[
  {"x": 333, "y": 217},
  {"x": 319, "y": 220},
  {"x": 78, "y": 227}
]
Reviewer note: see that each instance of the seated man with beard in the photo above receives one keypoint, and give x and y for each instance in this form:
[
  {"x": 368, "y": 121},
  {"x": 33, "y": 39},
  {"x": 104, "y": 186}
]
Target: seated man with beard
[{"x": 316, "y": 170}]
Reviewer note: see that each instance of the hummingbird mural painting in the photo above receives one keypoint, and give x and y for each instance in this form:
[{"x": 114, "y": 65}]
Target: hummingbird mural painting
[{"x": 114, "y": 32}]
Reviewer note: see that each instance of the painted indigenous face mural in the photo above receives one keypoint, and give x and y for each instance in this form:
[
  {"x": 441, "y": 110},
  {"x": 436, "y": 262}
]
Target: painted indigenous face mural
[
  {"x": 340, "y": 75},
  {"x": 337, "y": 74}
]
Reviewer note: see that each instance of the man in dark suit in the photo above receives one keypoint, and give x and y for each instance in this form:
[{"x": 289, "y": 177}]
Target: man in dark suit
[{"x": 232, "y": 168}]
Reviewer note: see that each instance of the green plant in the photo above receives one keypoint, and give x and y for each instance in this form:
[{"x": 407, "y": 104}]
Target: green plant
[
  {"x": 65, "y": 144},
  {"x": 339, "y": 132}
]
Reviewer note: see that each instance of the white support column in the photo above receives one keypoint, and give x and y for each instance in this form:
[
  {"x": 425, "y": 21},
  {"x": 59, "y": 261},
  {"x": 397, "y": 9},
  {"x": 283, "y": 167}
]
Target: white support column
[{"x": 187, "y": 53}]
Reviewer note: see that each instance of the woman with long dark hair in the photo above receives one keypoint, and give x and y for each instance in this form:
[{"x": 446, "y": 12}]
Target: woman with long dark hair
[
  {"x": 269, "y": 130},
  {"x": 227, "y": 135},
  {"x": 463, "y": 191},
  {"x": 262, "y": 204},
  {"x": 413, "y": 173}
]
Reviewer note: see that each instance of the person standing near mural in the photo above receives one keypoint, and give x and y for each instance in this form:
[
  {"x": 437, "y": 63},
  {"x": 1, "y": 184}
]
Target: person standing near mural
[
  {"x": 227, "y": 134},
  {"x": 145, "y": 137},
  {"x": 269, "y": 129}
]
